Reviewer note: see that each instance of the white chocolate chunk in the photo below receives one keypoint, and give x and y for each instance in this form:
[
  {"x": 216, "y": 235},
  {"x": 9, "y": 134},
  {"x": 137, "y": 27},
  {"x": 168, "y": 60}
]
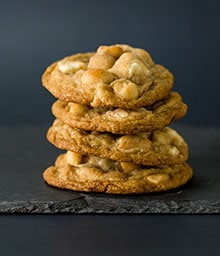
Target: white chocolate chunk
[
  {"x": 67, "y": 66},
  {"x": 102, "y": 163},
  {"x": 174, "y": 151},
  {"x": 118, "y": 113},
  {"x": 106, "y": 164},
  {"x": 161, "y": 137}
]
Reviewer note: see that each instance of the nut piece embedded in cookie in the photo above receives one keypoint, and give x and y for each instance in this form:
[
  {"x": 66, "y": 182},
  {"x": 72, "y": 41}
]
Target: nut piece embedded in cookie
[
  {"x": 133, "y": 144},
  {"x": 76, "y": 108},
  {"x": 158, "y": 178},
  {"x": 101, "y": 61},
  {"x": 129, "y": 166},
  {"x": 113, "y": 50},
  {"x": 95, "y": 76},
  {"x": 73, "y": 158},
  {"x": 125, "y": 89},
  {"x": 128, "y": 66}
]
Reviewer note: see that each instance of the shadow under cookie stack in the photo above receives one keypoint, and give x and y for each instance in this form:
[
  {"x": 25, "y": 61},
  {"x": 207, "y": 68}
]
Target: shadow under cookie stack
[{"x": 112, "y": 114}]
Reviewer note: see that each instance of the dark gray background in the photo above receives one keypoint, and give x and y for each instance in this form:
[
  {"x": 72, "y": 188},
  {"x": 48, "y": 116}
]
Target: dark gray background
[{"x": 182, "y": 35}]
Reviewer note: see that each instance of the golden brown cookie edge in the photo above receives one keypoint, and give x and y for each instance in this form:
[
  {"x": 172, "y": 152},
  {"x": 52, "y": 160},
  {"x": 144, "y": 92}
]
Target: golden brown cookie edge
[
  {"x": 149, "y": 122},
  {"x": 176, "y": 180}
]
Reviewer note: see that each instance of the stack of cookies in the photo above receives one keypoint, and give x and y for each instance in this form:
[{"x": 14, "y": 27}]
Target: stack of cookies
[{"x": 112, "y": 114}]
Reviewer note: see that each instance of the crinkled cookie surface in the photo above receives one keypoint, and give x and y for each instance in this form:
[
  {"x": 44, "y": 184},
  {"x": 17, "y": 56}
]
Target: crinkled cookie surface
[
  {"x": 161, "y": 147},
  {"x": 118, "y": 120}
]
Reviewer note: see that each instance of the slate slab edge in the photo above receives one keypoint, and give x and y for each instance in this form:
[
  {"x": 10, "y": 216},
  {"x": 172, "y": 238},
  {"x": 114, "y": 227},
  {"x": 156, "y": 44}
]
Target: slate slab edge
[{"x": 87, "y": 204}]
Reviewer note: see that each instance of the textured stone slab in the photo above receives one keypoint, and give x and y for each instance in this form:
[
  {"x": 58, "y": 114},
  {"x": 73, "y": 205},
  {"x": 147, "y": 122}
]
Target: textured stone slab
[
  {"x": 88, "y": 204},
  {"x": 26, "y": 153}
]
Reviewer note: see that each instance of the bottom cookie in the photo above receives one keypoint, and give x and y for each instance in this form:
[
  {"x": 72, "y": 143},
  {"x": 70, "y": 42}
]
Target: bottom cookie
[{"x": 94, "y": 174}]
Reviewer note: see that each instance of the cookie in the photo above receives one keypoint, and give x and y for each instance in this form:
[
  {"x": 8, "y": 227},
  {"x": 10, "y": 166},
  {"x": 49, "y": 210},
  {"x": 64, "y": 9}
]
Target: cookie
[
  {"x": 118, "y": 120},
  {"x": 94, "y": 174},
  {"x": 161, "y": 147},
  {"x": 114, "y": 76}
]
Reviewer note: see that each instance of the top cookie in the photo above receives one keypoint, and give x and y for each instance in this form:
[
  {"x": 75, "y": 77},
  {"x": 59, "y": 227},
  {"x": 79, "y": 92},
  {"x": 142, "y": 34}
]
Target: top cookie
[{"x": 114, "y": 76}]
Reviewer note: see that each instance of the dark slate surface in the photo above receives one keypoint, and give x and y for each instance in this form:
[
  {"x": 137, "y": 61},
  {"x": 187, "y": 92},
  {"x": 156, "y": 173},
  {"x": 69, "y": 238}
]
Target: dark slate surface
[{"x": 25, "y": 153}]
